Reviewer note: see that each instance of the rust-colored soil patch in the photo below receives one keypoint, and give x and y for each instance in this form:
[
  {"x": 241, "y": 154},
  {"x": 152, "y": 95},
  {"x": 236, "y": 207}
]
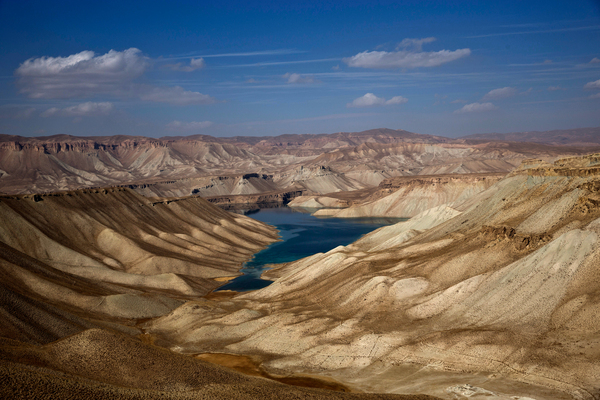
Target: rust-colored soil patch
[
  {"x": 248, "y": 366},
  {"x": 220, "y": 295}
]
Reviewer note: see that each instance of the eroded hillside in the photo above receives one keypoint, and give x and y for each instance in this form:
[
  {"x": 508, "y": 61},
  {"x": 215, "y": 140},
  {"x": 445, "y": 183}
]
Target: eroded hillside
[
  {"x": 114, "y": 254},
  {"x": 503, "y": 287},
  {"x": 82, "y": 270},
  {"x": 400, "y": 197},
  {"x": 210, "y": 166}
]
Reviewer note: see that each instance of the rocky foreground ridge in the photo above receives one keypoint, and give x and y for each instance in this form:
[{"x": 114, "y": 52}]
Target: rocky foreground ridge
[{"x": 503, "y": 289}]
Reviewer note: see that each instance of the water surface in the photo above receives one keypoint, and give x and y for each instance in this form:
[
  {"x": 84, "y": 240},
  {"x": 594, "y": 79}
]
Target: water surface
[{"x": 302, "y": 235}]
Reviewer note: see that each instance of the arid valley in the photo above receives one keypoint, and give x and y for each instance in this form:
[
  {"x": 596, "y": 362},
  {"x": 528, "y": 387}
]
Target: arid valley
[
  {"x": 111, "y": 249},
  {"x": 313, "y": 199}
]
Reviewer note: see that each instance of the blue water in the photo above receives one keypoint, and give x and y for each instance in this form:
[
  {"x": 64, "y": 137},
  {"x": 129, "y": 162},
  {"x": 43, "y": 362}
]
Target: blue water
[{"x": 302, "y": 235}]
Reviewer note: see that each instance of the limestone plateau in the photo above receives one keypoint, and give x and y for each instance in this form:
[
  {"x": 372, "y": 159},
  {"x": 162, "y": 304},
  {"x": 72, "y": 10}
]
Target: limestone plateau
[{"x": 110, "y": 249}]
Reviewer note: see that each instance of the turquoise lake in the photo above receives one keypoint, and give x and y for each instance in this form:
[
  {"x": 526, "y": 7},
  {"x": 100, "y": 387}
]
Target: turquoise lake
[{"x": 302, "y": 235}]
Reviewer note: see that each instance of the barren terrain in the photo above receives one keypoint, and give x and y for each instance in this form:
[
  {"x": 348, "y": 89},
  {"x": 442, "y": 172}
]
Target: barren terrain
[
  {"x": 490, "y": 289},
  {"x": 505, "y": 283},
  {"x": 283, "y": 165}
]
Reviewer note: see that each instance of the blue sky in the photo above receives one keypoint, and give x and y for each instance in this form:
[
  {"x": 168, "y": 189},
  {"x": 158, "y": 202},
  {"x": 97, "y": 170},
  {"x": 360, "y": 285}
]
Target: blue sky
[{"x": 266, "y": 68}]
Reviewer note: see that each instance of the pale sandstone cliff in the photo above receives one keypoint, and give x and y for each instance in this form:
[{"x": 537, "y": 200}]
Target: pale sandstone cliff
[
  {"x": 404, "y": 196},
  {"x": 210, "y": 166}
]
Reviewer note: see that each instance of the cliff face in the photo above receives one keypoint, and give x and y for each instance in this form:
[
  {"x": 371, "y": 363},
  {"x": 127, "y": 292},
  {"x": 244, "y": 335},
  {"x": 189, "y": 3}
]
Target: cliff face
[
  {"x": 313, "y": 163},
  {"x": 49, "y": 165},
  {"x": 403, "y": 197},
  {"x": 506, "y": 284}
]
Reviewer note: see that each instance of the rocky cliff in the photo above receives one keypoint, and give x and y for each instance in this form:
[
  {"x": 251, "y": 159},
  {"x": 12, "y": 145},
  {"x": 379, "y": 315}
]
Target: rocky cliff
[{"x": 169, "y": 167}]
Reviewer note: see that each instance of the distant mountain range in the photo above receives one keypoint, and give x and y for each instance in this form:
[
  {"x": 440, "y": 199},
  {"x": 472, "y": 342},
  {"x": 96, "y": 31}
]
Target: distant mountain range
[
  {"x": 566, "y": 137},
  {"x": 245, "y": 165}
]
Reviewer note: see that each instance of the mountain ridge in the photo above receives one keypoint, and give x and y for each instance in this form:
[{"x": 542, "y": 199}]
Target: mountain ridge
[{"x": 313, "y": 163}]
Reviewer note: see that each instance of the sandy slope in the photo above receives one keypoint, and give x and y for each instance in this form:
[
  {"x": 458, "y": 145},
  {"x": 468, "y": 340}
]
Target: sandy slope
[
  {"x": 113, "y": 253},
  {"x": 506, "y": 284},
  {"x": 403, "y": 197}
]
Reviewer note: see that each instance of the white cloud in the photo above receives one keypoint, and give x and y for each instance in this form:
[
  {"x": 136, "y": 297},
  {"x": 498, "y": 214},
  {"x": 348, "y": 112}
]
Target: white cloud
[
  {"x": 595, "y": 96},
  {"x": 396, "y": 100},
  {"x": 87, "y": 75},
  {"x": 80, "y": 75},
  {"x": 415, "y": 44},
  {"x": 175, "y": 95},
  {"x": 188, "y": 126},
  {"x": 476, "y": 107},
  {"x": 501, "y": 93},
  {"x": 370, "y": 100},
  {"x": 554, "y": 88},
  {"x": 88, "y": 109},
  {"x": 412, "y": 58},
  {"x": 592, "y": 85},
  {"x": 595, "y": 60},
  {"x": 297, "y": 78},
  {"x": 195, "y": 63}
]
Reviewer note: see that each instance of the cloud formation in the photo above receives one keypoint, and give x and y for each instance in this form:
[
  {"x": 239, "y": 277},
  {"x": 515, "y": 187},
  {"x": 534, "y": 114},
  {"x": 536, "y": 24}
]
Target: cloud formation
[
  {"x": 370, "y": 100},
  {"x": 188, "y": 126},
  {"x": 80, "y": 75},
  {"x": 414, "y": 44},
  {"x": 112, "y": 74},
  {"x": 595, "y": 60},
  {"x": 195, "y": 63},
  {"x": 592, "y": 85},
  {"x": 501, "y": 93},
  {"x": 411, "y": 57},
  {"x": 175, "y": 95},
  {"x": 297, "y": 78},
  {"x": 554, "y": 88},
  {"x": 88, "y": 109},
  {"x": 476, "y": 107}
]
